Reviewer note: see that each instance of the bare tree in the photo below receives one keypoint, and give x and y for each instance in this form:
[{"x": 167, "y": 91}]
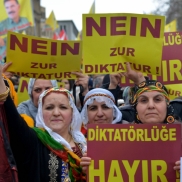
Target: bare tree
[{"x": 172, "y": 9}]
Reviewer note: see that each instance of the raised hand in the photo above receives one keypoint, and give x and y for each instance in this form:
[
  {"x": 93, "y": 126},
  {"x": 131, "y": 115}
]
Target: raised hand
[
  {"x": 82, "y": 80},
  {"x": 136, "y": 76},
  {"x": 2, "y": 84},
  {"x": 5, "y": 72}
]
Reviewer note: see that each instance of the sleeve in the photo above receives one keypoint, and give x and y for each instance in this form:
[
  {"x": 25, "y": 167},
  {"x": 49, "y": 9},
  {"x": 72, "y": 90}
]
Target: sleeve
[{"x": 22, "y": 138}]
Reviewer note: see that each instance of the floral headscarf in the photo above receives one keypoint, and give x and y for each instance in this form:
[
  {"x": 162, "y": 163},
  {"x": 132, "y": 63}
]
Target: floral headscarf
[{"x": 149, "y": 86}]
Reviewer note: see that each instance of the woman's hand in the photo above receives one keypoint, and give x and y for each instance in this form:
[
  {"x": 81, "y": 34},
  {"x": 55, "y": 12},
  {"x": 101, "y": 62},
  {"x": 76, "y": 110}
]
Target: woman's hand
[
  {"x": 85, "y": 162},
  {"x": 136, "y": 76},
  {"x": 4, "y": 70},
  {"x": 82, "y": 80},
  {"x": 177, "y": 166},
  {"x": 2, "y": 84}
]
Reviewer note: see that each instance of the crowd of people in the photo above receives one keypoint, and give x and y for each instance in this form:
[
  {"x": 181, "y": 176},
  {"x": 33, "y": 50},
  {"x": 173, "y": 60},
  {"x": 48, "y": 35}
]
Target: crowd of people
[
  {"x": 48, "y": 132},
  {"x": 44, "y": 138}
]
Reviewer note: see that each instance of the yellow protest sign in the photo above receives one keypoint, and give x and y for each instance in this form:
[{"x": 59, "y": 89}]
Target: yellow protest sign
[
  {"x": 35, "y": 57},
  {"x": 174, "y": 90},
  {"x": 110, "y": 40},
  {"x": 23, "y": 90}
]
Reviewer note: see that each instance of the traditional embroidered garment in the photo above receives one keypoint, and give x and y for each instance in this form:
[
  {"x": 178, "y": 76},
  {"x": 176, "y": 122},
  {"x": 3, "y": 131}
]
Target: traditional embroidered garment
[
  {"x": 56, "y": 143},
  {"x": 73, "y": 170},
  {"x": 41, "y": 155},
  {"x": 27, "y": 107},
  {"x": 100, "y": 95},
  {"x": 150, "y": 86}
]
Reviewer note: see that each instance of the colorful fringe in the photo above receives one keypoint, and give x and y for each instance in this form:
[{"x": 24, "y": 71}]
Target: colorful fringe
[
  {"x": 149, "y": 89},
  {"x": 75, "y": 171}
]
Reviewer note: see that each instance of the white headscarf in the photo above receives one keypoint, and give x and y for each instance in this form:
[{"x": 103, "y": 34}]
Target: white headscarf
[
  {"x": 100, "y": 95},
  {"x": 75, "y": 126}
]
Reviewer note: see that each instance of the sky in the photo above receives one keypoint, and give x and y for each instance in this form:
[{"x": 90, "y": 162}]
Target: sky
[{"x": 73, "y": 9}]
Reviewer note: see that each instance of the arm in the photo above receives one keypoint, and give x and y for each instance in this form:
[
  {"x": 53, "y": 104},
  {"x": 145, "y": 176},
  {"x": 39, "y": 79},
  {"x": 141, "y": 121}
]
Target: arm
[
  {"x": 22, "y": 138},
  {"x": 136, "y": 76}
]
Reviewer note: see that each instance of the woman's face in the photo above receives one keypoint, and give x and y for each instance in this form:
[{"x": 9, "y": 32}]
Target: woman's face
[
  {"x": 38, "y": 88},
  {"x": 152, "y": 107},
  {"x": 66, "y": 84},
  {"x": 99, "y": 113},
  {"x": 57, "y": 112}
]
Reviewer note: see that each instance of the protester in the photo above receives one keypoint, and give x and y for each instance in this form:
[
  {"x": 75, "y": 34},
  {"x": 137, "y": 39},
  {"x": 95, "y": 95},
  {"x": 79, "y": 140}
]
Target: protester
[
  {"x": 45, "y": 153},
  {"x": 67, "y": 84},
  {"x": 151, "y": 103},
  {"x": 99, "y": 108},
  {"x": 28, "y": 109}
]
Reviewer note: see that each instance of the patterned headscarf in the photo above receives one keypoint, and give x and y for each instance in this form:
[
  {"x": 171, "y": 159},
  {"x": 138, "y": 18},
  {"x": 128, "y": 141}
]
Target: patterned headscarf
[
  {"x": 100, "y": 95},
  {"x": 149, "y": 86},
  {"x": 75, "y": 125}
]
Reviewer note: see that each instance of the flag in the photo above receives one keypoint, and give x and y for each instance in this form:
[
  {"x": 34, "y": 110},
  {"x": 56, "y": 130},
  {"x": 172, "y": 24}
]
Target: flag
[
  {"x": 51, "y": 22},
  {"x": 92, "y": 8},
  {"x": 171, "y": 27},
  {"x": 91, "y": 11},
  {"x": 79, "y": 36},
  {"x": 61, "y": 36}
]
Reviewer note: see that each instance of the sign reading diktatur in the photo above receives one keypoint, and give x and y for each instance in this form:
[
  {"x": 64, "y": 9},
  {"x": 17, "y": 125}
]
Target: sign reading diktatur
[
  {"x": 35, "y": 57},
  {"x": 171, "y": 74},
  {"x": 110, "y": 40},
  {"x": 133, "y": 153}
]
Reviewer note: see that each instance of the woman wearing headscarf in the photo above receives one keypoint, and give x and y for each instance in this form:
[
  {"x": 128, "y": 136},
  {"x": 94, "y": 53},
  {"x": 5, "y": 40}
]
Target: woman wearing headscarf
[
  {"x": 28, "y": 109},
  {"x": 52, "y": 151},
  {"x": 99, "y": 108},
  {"x": 151, "y": 104},
  {"x": 150, "y": 100}
]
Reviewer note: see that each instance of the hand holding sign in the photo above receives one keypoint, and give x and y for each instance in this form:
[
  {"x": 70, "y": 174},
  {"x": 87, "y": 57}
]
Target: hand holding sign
[
  {"x": 6, "y": 73},
  {"x": 2, "y": 85},
  {"x": 85, "y": 162},
  {"x": 177, "y": 165}
]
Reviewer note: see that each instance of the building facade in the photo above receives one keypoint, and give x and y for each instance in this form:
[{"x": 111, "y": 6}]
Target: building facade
[{"x": 69, "y": 27}]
